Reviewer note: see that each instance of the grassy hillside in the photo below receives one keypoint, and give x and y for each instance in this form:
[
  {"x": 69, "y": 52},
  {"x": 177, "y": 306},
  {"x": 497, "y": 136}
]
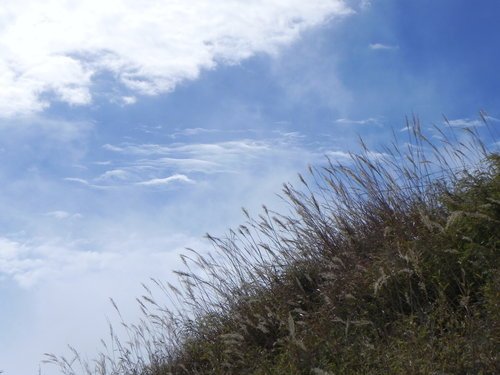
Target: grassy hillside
[{"x": 385, "y": 264}]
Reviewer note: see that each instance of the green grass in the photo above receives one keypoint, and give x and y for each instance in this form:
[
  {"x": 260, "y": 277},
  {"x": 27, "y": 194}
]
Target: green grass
[{"x": 386, "y": 264}]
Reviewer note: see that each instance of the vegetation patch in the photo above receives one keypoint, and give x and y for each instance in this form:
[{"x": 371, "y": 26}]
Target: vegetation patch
[{"x": 386, "y": 264}]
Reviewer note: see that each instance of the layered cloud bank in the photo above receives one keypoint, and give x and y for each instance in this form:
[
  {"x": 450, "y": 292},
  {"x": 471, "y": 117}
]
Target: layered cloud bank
[{"x": 53, "y": 50}]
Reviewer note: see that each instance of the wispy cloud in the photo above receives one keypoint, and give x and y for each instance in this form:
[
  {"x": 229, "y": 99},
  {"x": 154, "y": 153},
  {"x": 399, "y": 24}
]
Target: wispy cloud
[
  {"x": 187, "y": 165},
  {"x": 383, "y": 47},
  {"x": 197, "y": 157},
  {"x": 228, "y": 147},
  {"x": 166, "y": 181},
  {"x": 346, "y": 157},
  {"x": 147, "y": 164},
  {"x": 86, "y": 183},
  {"x": 337, "y": 155},
  {"x": 52, "y": 50},
  {"x": 464, "y": 122},
  {"x": 77, "y": 180},
  {"x": 491, "y": 118},
  {"x": 62, "y": 215},
  {"x": 128, "y": 100},
  {"x": 367, "y": 121},
  {"x": 114, "y": 175},
  {"x": 193, "y": 131}
]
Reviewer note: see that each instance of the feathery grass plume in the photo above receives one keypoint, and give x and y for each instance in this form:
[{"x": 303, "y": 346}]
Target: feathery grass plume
[{"x": 385, "y": 264}]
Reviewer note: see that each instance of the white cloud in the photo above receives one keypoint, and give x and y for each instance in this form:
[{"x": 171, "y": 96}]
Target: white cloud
[
  {"x": 195, "y": 149},
  {"x": 128, "y": 100},
  {"x": 381, "y": 46},
  {"x": 31, "y": 261},
  {"x": 28, "y": 262},
  {"x": 114, "y": 174},
  {"x": 347, "y": 157},
  {"x": 54, "y": 48},
  {"x": 166, "y": 180},
  {"x": 193, "y": 131},
  {"x": 110, "y": 147},
  {"x": 59, "y": 284},
  {"x": 491, "y": 118},
  {"x": 464, "y": 122},
  {"x": 186, "y": 165},
  {"x": 62, "y": 215},
  {"x": 338, "y": 155},
  {"x": 8, "y": 249},
  {"x": 146, "y": 162},
  {"x": 198, "y": 157},
  {"x": 77, "y": 180},
  {"x": 367, "y": 121}
]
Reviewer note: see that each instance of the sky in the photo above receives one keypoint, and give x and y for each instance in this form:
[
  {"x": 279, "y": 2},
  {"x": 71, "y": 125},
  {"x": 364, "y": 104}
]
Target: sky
[{"x": 129, "y": 129}]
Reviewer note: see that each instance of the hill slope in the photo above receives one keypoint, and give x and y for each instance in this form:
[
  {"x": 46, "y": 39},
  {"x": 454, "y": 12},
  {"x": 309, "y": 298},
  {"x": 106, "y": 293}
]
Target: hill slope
[{"x": 387, "y": 264}]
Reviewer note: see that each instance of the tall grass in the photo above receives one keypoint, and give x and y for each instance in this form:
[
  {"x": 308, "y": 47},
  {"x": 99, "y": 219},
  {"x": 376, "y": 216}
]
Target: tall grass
[{"x": 387, "y": 263}]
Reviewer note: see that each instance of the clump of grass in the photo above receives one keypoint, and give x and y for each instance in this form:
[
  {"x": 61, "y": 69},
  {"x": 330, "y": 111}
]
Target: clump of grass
[{"x": 385, "y": 264}]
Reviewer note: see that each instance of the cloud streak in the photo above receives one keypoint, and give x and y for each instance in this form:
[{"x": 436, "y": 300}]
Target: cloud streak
[
  {"x": 464, "y": 123},
  {"x": 367, "y": 121},
  {"x": 52, "y": 50},
  {"x": 382, "y": 47},
  {"x": 146, "y": 164},
  {"x": 166, "y": 181}
]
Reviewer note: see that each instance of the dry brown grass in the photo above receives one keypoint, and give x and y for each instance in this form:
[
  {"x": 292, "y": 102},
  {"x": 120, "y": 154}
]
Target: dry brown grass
[{"x": 386, "y": 264}]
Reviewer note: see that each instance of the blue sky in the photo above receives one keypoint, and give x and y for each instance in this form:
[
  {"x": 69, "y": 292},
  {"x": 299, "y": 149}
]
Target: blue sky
[{"x": 128, "y": 131}]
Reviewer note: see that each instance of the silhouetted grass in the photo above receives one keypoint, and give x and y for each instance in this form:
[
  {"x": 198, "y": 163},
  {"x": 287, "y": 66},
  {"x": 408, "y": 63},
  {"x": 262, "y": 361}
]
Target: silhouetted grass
[{"x": 386, "y": 264}]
